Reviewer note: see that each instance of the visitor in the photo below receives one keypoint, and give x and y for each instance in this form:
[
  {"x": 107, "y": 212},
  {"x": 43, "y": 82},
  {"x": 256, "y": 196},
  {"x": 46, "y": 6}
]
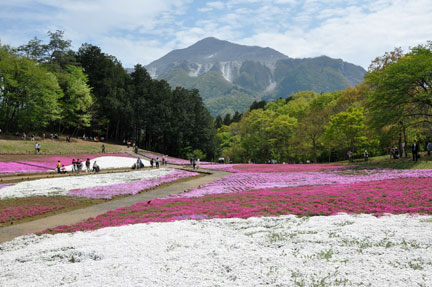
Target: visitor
[
  {"x": 151, "y": 162},
  {"x": 43, "y": 136},
  {"x": 87, "y": 164},
  {"x": 74, "y": 165},
  {"x": 79, "y": 165},
  {"x": 63, "y": 169},
  {"x": 58, "y": 166},
  {"x": 103, "y": 148},
  {"x": 396, "y": 152},
  {"x": 157, "y": 162},
  {"x": 415, "y": 150},
  {"x": 36, "y": 148},
  {"x": 24, "y": 136},
  {"x": 429, "y": 148},
  {"x": 349, "y": 153},
  {"x": 366, "y": 155},
  {"x": 138, "y": 163},
  {"x": 96, "y": 167},
  {"x": 32, "y": 138},
  {"x": 197, "y": 163},
  {"x": 193, "y": 163}
]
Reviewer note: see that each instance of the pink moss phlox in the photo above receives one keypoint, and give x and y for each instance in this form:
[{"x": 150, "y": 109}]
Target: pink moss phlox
[
  {"x": 20, "y": 212},
  {"x": 248, "y": 180},
  {"x": 266, "y": 168},
  {"x": 129, "y": 188},
  {"x": 395, "y": 196},
  {"x": 45, "y": 163}
]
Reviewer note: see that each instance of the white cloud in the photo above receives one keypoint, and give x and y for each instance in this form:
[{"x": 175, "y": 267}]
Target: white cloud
[{"x": 138, "y": 31}]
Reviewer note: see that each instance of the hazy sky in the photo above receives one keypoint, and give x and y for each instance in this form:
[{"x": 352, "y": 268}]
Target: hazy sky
[{"x": 140, "y": 31}]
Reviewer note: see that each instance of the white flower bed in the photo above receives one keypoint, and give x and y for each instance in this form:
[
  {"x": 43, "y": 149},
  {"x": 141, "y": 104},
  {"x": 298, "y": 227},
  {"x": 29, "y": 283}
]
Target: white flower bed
[
  {"x": 62, "y": 185},
  {"x": 109, "y": 162},
  {"x": 394, "y": 250}
]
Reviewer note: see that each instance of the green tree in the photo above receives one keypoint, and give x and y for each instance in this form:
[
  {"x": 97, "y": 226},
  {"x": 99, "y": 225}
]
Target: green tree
[
  {"x": 402, "y": 89},
  {"x": 77, "y": 100},
  {"x": 29, "y": 94},
  {"x": 346, "y": 130}
]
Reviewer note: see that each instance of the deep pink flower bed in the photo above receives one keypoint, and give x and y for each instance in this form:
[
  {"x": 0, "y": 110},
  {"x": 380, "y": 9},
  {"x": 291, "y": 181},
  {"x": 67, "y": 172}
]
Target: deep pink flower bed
[
  {"x": 129, "y": 188},
  {"x": 46, "y": 163},
  {"x": 17, "y": 209},
  {"x": 272, "y": 167},
  {"x": 243, "y": 181},
  {"x": 402, "y": 195},
  {"x": 20, "y": 212},
  {"x": 14, "y": 167}
]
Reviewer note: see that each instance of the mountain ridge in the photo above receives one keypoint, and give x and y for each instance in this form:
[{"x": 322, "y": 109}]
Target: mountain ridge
[{"x": 250, "y": 73}]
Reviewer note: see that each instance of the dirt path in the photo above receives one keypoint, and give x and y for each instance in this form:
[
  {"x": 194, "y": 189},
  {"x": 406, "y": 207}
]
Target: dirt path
[{"x": 72, "y": 217}]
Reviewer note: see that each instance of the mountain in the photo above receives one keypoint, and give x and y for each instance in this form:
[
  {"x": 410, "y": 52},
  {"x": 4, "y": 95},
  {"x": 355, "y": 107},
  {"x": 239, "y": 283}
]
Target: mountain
[{"x": 231, "y": 76}]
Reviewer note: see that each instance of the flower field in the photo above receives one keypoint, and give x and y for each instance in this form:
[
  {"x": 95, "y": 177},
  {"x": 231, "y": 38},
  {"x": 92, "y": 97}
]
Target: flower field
[
  {"x": 271, "y": 167},
  {"x": 340, "y": 250},
  {"x": 16, "y": 209},
  {"x": 277, "y": 225},
  {"x": 94, "y": 185},
  {"x": 31, "y": 198},
  {"x": 241, "y": 181},
  {"x": 396, "y": 196},
  {"x": 45, "y": 163}
]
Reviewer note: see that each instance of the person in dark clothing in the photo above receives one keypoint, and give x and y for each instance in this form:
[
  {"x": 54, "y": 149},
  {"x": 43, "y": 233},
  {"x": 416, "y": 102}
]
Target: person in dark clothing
[{"x": 415, "y": 150}]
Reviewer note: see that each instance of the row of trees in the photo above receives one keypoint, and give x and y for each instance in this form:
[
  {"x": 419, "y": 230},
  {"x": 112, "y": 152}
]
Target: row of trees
[
  {"x": 392, "y": 106},
  {"x": 51, "y": 88}
]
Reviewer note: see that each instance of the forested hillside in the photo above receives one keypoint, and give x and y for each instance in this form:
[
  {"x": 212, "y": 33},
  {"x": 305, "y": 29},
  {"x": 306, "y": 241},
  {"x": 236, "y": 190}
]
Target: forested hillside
[
  {"x": 49, "y": 88},
  {"x": 389, "y": 111}
]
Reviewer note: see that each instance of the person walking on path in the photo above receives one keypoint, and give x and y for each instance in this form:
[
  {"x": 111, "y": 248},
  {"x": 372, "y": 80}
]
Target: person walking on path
[
  {"x": 366, "y": 155},
  {"x": 87, "y": 164},
  {"x": 197, "y": 163},
  {"x": 58, "y": 166},
  {"x": 415, "y": 150},
  {"x": 157, "y": 162},
  {"x": 74, "y": 165},
  {"x": 193, "y": 163},
  {"x": 103, "y": 148}
]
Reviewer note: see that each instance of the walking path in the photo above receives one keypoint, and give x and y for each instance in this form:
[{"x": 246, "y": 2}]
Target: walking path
[{"x": 72, "y": 217}]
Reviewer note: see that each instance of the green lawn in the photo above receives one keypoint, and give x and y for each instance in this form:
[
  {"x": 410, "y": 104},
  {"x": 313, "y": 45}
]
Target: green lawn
[
  {"x": 8, "y": 146},
  {"x": 424, "y": 162}
]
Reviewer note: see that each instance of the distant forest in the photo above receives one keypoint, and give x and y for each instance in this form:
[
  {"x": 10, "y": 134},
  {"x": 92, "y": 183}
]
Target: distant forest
[{"x": 47, "y": 87}]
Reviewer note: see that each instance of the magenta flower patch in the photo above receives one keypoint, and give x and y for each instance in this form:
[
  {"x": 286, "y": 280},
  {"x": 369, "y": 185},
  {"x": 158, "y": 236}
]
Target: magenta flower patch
[
  {"x": 396, "y": 196},
  {"x": 129, "y": 188}
]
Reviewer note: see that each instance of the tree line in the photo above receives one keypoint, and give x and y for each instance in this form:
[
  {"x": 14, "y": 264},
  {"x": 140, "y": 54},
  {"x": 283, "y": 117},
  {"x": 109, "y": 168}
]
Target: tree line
[
  {"x": 48, "y": 87},
  {"x": 391, "y": 108}
]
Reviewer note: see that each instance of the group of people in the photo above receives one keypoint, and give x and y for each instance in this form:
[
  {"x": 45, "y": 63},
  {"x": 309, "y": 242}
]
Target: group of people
[
  {"x": 77, "y": 166},
  {"x": 139, "y": 164}
]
